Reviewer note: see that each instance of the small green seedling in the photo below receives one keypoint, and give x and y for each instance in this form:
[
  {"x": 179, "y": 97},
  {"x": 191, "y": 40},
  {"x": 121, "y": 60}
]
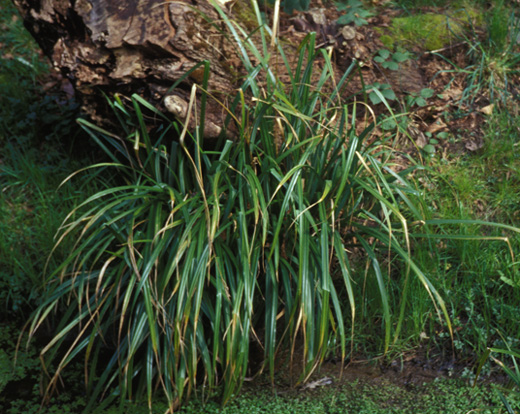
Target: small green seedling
[
  {"x": 354, "y": 13},
  {"x": 395, "y": 122},
  {"x": 390, "y": 60},
  {"x": 385, "y": 91},
  {"x": 420, "y": 99},
  {"x": 429, "y": 149}
]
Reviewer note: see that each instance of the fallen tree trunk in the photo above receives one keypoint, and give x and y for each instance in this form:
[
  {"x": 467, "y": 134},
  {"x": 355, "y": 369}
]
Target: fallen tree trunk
[
  {"x": 135, "y": 46},
  {"x": 146, "y": 46}
]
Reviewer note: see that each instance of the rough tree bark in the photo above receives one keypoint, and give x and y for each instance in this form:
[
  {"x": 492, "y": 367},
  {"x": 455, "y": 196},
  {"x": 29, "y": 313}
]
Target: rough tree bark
[{"x": 134, "y": 46}]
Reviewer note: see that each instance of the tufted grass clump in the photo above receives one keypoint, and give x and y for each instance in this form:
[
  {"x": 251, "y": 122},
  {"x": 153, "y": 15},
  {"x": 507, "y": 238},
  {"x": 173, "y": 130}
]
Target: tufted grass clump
[{"x": 284, "y": 240}]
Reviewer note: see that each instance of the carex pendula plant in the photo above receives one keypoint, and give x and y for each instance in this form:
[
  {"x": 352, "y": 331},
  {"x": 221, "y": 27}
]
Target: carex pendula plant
[{"x": 197, "y": 255}]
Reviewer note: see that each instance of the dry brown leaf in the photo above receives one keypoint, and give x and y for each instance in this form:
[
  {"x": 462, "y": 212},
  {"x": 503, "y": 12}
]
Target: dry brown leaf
[
  {"x": 421, "y": 140},
  {"x": 437, "y": 126},
  {"x": 452, "y": 93},
  {"x": 474, "y": 144},
  {"x": 488, "y": 110},
  {"x": 479, "y": 205},
  {"x": 317, "y": 383},
  {"x": 348, "y": 32}
]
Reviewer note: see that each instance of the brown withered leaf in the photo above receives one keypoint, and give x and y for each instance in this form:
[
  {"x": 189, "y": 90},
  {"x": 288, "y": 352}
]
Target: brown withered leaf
[
  {"x": 437, "y": 126},
  {"x": 474, "y": 144},
  {"x": 348, "y": 32},
  {"x": 453, "y": 93},
  {"x": 417, "y": 135},
  {"x": 488, "y": 109}
]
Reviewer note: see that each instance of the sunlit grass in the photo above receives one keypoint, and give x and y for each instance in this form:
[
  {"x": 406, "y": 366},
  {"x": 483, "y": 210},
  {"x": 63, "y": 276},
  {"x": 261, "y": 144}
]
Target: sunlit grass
[{"x": 477, "y": 276}]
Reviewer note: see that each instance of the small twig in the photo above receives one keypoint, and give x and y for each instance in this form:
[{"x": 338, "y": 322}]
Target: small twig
[{"x": 431, "y": 52}]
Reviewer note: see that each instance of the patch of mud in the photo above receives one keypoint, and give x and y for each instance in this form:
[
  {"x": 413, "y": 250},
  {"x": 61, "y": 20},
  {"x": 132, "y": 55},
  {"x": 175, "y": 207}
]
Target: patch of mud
[{"x": 409, "y": 371}]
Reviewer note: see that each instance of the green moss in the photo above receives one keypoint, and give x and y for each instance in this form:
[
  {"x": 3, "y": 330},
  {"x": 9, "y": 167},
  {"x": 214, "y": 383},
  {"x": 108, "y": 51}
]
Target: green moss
[
  {"x": 442, "y": 396},
  {"x": 245, "y": 15},
  {"x": 387, "y": 41},
  {"x": 429, "y": 31}
]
